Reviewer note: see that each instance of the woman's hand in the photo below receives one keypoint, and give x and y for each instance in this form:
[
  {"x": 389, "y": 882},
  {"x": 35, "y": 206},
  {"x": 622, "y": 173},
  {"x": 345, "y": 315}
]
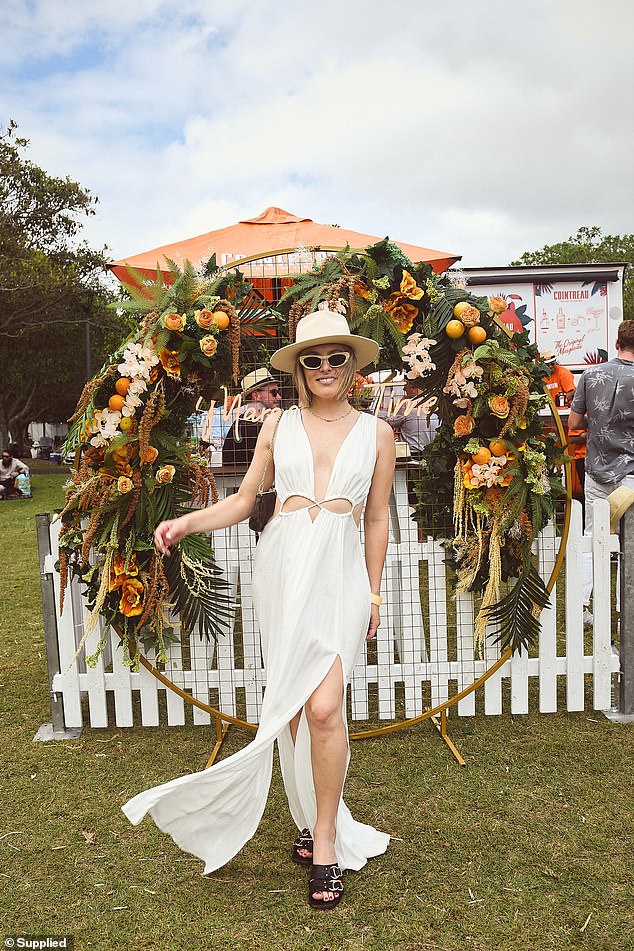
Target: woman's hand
[
  {"x": 375, "y": 621},
  {"x": 169, "y": 533}
]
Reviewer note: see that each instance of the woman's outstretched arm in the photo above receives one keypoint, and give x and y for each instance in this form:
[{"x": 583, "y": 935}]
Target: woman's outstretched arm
[
  {"x": 231, "y": 510},
  {"x": 376, "y": 516}
]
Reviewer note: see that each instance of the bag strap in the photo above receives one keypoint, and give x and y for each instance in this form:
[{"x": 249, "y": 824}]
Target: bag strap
[{"x": 268, "y": 455}]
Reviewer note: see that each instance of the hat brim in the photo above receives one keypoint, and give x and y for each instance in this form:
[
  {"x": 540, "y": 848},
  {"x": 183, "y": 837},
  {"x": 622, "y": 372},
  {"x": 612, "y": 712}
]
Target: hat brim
[
  {"x": 620, "y": 500},
  {"x": 365, "y": 350},
  {"x": 257, "y": 386}
]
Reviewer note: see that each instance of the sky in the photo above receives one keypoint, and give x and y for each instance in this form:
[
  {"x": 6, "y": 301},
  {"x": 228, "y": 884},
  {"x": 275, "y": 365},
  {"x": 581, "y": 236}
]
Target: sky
[{"x": 484, "y": 128}]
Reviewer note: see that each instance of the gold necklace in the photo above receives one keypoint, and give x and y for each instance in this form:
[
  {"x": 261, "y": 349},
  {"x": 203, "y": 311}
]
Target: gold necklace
[{"x": 325, "y": 418}]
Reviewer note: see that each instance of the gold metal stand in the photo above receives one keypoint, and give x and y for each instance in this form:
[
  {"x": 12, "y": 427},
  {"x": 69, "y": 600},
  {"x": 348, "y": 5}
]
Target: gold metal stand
[
  {"x": 441, "y": 729},
  {"x": 221, "y": 731}
]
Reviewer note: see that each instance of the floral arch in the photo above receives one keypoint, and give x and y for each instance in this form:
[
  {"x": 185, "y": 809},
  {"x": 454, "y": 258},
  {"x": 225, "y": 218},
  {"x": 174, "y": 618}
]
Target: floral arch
[{"x": 493, "y": 472}]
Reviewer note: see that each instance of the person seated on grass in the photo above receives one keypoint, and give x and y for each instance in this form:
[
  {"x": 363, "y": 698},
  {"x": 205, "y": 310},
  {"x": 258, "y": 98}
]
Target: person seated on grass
[{"x": 10, "y": 468}]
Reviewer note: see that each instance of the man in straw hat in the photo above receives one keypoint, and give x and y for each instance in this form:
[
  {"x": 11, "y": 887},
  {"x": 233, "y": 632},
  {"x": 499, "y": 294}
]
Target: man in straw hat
[
  {"x": 604, "y": 405},
  {"x": 315, "y": 590},
  {"x": 259, "y": 392}
]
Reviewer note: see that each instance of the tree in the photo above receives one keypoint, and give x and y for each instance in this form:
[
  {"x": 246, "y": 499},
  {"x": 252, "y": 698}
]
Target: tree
[
  {"x": 51, "y": 286},
  {"x": 590, "y": 246}
]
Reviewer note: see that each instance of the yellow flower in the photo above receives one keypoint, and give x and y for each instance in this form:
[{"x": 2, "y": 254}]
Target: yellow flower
[
  {"x": 209, "y": 345},
  {"x": 499, "y": 406},
  {"x": 165, "y": 474},
  {"x": 463, "y": 425},
  {"x": 124, "y": 485},
  {"x": 410, "y": 288},
  {"x": 204, "y": 318},
  {"x": 130, "y": 604},
  {"x": 120, "y": 570},
  {"x": 497, "y": 305},
  {"x": 175, "y": 321},
  {"x": 170, "y": 362},
  {"x": 401, "y": 311}
]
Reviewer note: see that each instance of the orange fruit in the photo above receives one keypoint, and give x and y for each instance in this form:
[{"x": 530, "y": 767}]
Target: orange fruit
[
  {"x": 497, "y": 447},
  {"x": 122, "y": 386},
  {"x": 221, "y": 319},
  {"x": 454, "y": 329},
  {"x": 116, "y": 403},
  {"x": 477, "y": 334},
  {"x": 461, "y": 308},
  {"x": 482, "y": 456}
]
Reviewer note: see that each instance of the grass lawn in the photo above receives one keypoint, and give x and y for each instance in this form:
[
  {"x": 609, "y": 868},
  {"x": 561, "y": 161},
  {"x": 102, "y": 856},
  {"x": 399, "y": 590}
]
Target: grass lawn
[{"x": 529, "y": 847}]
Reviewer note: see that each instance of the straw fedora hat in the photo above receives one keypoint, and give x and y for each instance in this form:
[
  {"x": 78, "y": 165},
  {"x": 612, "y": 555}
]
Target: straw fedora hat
[
  {"x": 620, "y": 500},
  {"x": 324, "y": 326},
  {"x": 256, "y": 379},
  {"x": 548, "y": 356}
]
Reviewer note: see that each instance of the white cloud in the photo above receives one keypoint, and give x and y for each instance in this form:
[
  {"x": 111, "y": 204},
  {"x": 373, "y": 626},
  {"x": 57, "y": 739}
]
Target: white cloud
[{"x": 486, "y": 129}]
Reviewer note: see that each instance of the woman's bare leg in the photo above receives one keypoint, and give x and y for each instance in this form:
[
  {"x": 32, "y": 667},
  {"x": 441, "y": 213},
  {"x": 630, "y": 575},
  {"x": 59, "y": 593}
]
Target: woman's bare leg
[{"x": 329, "y": 754}]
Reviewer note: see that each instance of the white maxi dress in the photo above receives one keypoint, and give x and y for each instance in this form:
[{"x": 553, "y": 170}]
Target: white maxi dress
[{"x": 312, "y": 598}]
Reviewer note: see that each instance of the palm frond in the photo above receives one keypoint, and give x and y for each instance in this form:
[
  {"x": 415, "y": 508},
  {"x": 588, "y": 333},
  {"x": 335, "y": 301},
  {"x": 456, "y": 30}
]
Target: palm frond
[
  {"x": 515, "y": 618},
  {"x": 197, "y": 589}
]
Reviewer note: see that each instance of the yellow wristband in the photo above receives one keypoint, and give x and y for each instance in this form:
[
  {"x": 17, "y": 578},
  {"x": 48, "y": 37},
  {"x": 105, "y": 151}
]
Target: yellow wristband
[{"x": 376, "y": 599}]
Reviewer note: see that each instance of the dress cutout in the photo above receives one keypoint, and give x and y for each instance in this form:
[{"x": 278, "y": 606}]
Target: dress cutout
[{"x": 311, "y": 595}]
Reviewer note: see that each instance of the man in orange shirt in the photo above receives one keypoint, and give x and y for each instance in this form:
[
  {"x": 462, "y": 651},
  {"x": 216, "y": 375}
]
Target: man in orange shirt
[{"x": 560, "y": 380}]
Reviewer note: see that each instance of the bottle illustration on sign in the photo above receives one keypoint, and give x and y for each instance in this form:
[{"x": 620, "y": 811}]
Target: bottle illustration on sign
[
  {"x": 560, "y": 319},
  {"x": 544, "y": 323}
]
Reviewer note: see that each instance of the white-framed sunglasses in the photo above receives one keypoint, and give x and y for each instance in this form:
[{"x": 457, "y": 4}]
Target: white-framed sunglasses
[{"x": 314, "y": 361}]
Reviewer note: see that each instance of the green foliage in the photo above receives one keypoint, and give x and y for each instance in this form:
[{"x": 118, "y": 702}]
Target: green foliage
[
  {"x": 515, "y": 617},
  {"x": 198, "y": 591},
  {"x": 50, "y": 290}
]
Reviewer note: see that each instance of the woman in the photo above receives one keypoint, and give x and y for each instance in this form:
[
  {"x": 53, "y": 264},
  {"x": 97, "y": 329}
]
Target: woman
[{"x": 316, "y": 599}]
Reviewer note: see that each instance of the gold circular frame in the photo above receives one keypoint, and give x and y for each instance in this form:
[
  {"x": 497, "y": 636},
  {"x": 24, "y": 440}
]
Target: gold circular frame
[{"x": 440, "y": 708}]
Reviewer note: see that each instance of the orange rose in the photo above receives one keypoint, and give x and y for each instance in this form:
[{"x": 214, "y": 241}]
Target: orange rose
[
  {"x": 130, "y": 604},
  {"x": 205, "y": 319},
  {"x": 149, "y": 454},
  {"x": 499, "y": 406},
  {"x": 410, "y": 288},
  {"x": 175, "y": 321},
  {"x": 497, "y": 305},
  {"x": 165, "y": 475},
  {"x": 170, "y": 362},
  {"x": 209, "y": 345},
  {"x": 124, "y": 484},
  {"x": 463, "y": 425}
]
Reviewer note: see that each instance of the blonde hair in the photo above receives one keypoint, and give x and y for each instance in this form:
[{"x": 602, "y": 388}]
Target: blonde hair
[{"x": 348, "y": 373}]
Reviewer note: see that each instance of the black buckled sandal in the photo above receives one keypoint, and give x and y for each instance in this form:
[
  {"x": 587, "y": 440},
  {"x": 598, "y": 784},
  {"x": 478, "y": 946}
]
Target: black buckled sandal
[
  {"x": 303, "y": 841},
  {"x": 325, "y": 878}
]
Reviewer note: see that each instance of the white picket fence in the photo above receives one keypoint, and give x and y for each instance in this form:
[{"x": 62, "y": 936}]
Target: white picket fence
[{"x": 424, "y": 653}]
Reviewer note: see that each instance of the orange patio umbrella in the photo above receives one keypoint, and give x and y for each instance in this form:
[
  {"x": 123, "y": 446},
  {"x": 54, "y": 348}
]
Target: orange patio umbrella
[{"x": 273, "y": 232}]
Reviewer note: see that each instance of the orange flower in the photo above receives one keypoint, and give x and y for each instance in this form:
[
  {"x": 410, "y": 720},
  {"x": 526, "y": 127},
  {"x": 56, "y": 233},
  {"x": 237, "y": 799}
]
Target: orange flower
[
  {"x": 124, "y": 484},
  {"x": 130, "y": 604},
  {"x": 463, "y": 425},
  {"x": 149, "y": 454},
  {"x": 205, "y": 319},
  {"x": 497, "y": 305},
  {"x": 410, "y": 288},
  {"x": 499, "y": 406},
  {"x": 209, "y": 345},
  {"x": 165, "y": 474},
  {"x": 170, "y": 363},
  {"x": 175, "y": 321},
  {"x": 401, "y": 311},
  {"x": 120, "y": 571}
]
